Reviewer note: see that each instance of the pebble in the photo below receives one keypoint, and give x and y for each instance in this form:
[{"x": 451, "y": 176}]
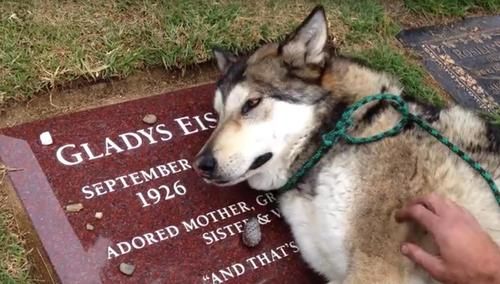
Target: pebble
[
  {"x": 252, "y": 234},
  {"x": 98, "y": 215},
  {"x": 150, "y": 119},
  {"x": 46, "y": 138},
  {"x": 74, "y": 207},
  {"x": 127, "y": 269},
  {"x": 89, "y": 227}
]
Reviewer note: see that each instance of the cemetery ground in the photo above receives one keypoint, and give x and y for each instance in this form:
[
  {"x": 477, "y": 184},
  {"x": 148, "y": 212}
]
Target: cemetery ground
[{"x": 58, "y": 57}]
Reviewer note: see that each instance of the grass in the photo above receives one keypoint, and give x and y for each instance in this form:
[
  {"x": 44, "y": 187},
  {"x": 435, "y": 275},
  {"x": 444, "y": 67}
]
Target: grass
[
  {"x": 14, "y": 265},
  {"x": 367, "y": 23},
  {"x": 452, "y": 7},
  {"x": 46, "y": 43},
  {"x": 493, "y": 117}
]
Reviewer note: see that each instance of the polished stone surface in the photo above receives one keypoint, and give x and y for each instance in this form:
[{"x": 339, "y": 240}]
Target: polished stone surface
[
  {"x": 158, "y": 215},
  {"x": 464, "y": 57}
]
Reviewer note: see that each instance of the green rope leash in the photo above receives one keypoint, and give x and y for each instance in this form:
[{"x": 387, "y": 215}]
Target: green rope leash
[{"x": 331, "y": 138}]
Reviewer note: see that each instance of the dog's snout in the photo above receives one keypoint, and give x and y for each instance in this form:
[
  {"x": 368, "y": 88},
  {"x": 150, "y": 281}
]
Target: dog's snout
[{"x": 206, "y": 164}]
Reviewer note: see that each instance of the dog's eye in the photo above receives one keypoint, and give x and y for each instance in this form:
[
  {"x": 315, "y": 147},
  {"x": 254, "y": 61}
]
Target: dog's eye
[{"x": 250, "y": 104}]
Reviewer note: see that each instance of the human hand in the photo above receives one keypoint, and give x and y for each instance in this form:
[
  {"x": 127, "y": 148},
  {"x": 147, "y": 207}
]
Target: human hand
[{"x": 467, "y": 254}]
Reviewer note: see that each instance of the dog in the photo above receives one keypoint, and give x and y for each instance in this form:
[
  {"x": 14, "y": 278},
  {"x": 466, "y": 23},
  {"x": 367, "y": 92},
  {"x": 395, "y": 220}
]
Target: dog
[{"x": 273, "y": 107}]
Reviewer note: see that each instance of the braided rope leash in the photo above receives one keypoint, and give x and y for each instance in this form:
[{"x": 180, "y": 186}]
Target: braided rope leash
[{"x": 333, "y": 137}]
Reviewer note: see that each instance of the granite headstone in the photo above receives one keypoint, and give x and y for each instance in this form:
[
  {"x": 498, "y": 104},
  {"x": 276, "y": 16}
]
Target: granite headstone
[
  {"x": 464, "y": 57},
  {"x": 113, "y": 198}
]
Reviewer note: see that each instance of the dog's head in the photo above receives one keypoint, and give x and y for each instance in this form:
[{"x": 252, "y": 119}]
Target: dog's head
[{"x": 266, "y": 106}]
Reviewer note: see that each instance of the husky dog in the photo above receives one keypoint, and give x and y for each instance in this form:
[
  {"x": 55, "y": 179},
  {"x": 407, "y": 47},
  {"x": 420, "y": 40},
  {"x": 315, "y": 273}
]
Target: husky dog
[{"x": 273, "y": 107}]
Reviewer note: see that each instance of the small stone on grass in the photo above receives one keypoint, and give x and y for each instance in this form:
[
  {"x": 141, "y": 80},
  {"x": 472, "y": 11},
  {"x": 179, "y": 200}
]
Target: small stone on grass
[
  {"x": 150, "y": 119},
  {"x": 127, "y": 269},
  {"x": 76, "y": 207},
  {"x": 98, "y": 215},
  {"x": 89, "y": 227}
]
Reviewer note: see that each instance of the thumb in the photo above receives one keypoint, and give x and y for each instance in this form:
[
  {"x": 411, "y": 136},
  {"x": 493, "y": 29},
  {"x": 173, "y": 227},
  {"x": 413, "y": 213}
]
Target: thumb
[{"x": 430, "y": 263}]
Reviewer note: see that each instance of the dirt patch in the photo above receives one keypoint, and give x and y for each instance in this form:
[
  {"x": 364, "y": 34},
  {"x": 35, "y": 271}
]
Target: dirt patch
[{"x": 79, "y": 96}]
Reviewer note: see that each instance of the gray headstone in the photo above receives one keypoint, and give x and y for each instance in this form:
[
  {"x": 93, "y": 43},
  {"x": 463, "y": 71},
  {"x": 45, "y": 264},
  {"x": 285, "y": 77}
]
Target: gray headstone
[{"x": 464, "y": 57}]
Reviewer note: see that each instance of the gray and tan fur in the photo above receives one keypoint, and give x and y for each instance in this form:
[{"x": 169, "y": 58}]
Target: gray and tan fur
[{"x": 273, "y": 106}]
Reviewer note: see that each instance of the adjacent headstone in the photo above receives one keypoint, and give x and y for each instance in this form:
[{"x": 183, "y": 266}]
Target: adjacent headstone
[
  {"x": 152, "y": 210},
  {"x": 464, "y": 57}
]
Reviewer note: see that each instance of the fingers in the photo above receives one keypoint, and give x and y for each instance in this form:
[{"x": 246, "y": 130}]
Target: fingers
[
  {"x": 432, "y": 264},
  {"x": 432, "y": 201},
  {"x": 420, "y": 214}
]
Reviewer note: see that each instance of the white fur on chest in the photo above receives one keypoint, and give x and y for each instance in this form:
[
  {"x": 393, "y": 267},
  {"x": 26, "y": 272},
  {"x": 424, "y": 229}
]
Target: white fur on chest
[{"x": 320, "y": 222}]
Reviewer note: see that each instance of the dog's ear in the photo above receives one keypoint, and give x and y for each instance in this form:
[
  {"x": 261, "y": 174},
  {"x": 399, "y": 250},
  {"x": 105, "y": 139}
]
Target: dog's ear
[
  {"x": 307, "y": 44},
  {"x": 224, "y": 59}
]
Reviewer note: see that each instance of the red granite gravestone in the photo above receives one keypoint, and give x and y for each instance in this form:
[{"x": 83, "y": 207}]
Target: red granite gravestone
[{"x": 157, "y": 214}]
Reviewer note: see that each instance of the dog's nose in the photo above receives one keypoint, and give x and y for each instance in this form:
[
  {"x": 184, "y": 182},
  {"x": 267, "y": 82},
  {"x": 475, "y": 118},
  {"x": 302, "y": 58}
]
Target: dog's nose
[{"x": 206, "y": 164}]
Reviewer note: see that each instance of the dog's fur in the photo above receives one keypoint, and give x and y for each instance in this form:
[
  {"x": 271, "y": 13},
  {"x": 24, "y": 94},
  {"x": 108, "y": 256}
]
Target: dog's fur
[{"x": 281, "y": 98}]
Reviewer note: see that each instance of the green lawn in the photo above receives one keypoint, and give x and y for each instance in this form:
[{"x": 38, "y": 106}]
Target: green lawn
[
  {"x": 14, "y": 265},
  {"x": 45, "y": 43},
  {"x": 452, "y": 7}
]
